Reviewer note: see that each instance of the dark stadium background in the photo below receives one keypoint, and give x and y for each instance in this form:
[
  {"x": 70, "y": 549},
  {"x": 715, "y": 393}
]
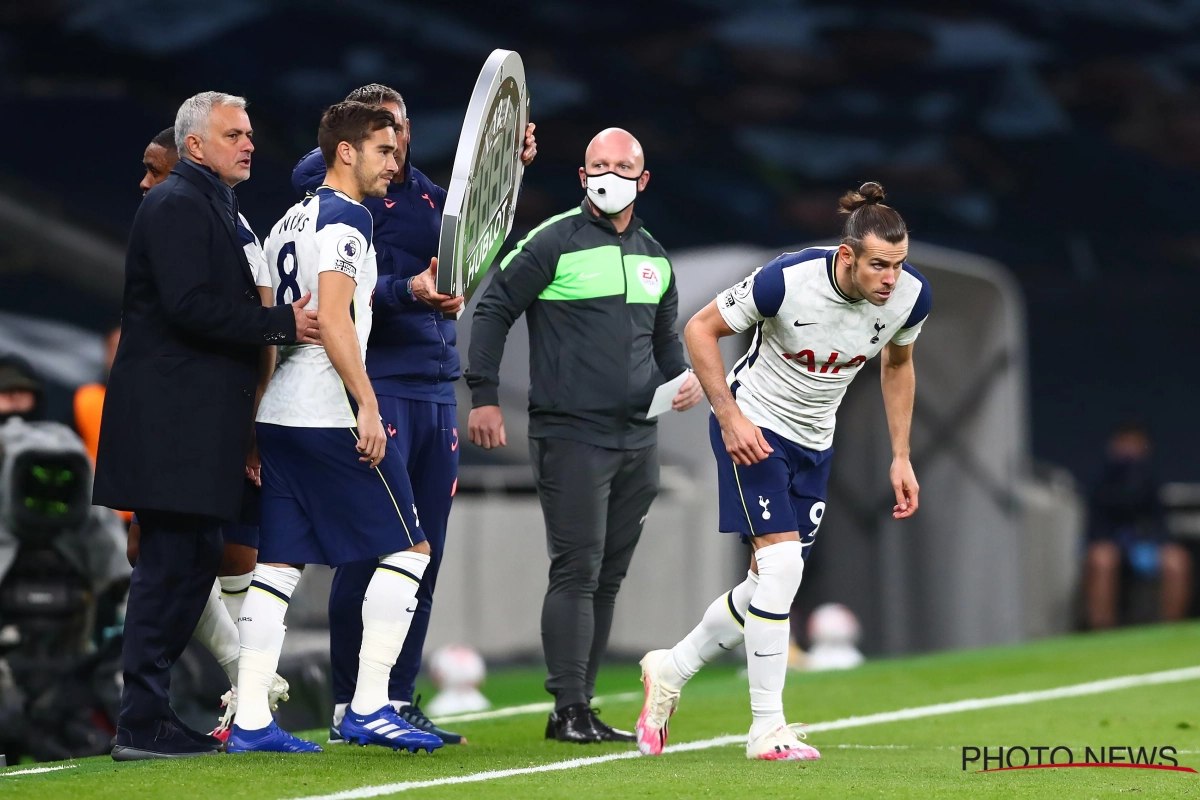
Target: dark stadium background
[{"x": 1059, "y": 137}]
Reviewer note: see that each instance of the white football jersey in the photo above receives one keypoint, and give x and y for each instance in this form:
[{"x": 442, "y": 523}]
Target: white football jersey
[
  {"x": 327, "y": 231},
  {"x": 810, "y": 340},
  {"x": 254, "y": 253}
]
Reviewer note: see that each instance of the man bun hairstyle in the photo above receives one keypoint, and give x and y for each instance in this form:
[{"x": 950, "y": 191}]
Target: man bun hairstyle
[
  {"x": 866, "y": 214},
  {"x": 350, "y": 121}
]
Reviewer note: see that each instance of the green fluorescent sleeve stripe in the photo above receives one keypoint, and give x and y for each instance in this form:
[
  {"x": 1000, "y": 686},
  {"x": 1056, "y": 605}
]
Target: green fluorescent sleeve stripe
[
  {"x": 586, "y": 274},
  {"x": 647, "y": 277},
  {"x": 521, "y": 244}
]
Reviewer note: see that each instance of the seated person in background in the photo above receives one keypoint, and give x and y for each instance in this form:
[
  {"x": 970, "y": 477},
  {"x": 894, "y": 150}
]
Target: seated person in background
[
  {"x": 20, "y": 389},
  {"x": 1126, "y": 526}
]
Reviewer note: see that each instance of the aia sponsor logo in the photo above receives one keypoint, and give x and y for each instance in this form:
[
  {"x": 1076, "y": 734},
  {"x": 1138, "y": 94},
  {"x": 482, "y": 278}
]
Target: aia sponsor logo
[
  {"x": 1000, "y": 759},
  {"x": 808, "y": 360}
]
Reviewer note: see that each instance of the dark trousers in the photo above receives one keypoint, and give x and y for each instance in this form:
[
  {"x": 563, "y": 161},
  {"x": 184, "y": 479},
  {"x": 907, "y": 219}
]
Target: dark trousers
[
  {"x": 427, "y": 436},
  {"x": 177, "y": 563},
  {"x": 594, "y": 501}
]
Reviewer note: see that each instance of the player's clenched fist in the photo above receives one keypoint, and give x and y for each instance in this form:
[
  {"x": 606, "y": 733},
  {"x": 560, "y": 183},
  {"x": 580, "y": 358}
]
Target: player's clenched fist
[
  {"x": 372, "y": 440},
  {"x": 485, "y": 427},
  {"x": 743, "y": 440}
]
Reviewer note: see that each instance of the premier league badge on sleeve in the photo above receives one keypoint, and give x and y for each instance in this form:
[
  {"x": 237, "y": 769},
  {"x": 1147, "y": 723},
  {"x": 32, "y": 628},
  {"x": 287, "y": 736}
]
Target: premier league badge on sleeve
[{"x": 349, "y": 249}]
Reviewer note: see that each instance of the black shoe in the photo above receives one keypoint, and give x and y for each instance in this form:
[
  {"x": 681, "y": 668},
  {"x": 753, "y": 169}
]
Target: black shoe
[
  {"x": 572, "y": 724},
  {"x": 195, "y": 735},
  {"x": 607, "y": 732},
  {"x": 163, "y": 739},
  {"x": 413, "y": 715}
]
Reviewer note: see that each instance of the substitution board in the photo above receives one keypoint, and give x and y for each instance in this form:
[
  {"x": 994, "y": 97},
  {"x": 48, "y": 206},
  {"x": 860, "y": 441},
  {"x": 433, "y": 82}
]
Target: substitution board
[{"x": 482, "y": 197}]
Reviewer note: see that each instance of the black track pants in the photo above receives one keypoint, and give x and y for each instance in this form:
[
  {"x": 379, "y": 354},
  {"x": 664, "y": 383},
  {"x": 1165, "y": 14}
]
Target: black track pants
[{"x": 594, "y": 501}]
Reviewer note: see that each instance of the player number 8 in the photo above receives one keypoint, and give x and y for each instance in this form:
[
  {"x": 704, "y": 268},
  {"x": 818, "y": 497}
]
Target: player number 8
[{"x": 287, "y": 280}]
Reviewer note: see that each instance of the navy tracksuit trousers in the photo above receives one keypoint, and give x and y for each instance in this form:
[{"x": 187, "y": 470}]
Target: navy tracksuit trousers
[{"x": 427, "y": 435}]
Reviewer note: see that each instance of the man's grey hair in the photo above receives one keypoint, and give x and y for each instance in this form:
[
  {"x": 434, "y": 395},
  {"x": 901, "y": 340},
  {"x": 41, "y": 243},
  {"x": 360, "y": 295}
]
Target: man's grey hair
[{"x": 192, "y": 117}]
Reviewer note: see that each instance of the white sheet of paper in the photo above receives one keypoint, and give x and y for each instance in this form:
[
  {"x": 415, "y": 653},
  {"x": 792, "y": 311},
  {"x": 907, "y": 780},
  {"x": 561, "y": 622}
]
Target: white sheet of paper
[{"x": 664, "y": 394}]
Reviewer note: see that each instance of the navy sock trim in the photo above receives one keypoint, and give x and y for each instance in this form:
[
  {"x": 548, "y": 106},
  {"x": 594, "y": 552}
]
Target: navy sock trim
[
  {"x": 740, "y": 620},
  {"x": 237, "y": 591},
  {"x": 270, "y": 590},
  {"x": 403, "y": 572},
  {"x": 758, "y": 612}
]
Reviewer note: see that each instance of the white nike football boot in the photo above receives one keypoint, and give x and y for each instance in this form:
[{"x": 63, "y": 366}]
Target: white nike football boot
[
  {"x": 781, "y": 744},
  {"x": 660, "y": 704}
]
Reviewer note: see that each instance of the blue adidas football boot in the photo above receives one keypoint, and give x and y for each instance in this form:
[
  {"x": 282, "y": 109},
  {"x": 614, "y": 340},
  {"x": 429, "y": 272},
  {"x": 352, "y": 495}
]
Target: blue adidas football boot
[
  {"x": 386, "y": 728},
  {"x": 271, "y": 739}
]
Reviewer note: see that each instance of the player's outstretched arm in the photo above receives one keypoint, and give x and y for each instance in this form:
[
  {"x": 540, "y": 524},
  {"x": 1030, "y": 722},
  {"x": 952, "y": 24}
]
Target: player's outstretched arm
[
  {"x": 340, "y": 339},
  {"x": 743, "y": 440},
  {"x": 899, "y": 381}
]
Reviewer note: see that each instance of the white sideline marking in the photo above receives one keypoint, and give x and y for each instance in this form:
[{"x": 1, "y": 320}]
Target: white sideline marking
[
  {"x": 530, "y": 708},
  {"x": 1020, "y": 698},
  {"x": 37, "y": 769}
]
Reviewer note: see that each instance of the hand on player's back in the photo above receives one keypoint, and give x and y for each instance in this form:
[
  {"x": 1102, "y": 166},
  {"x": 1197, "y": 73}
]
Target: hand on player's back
[
  {"x": 424, "y": 288},
  {"x": 485, "y": 427},
  {"x": 743, "y": 440},
  {"x": 372, "y": 439},
  {"x": 307, "y": 329}
]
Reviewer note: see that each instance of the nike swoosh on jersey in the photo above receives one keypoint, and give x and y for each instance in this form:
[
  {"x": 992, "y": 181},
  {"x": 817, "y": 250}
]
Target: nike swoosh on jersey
[
  {"x": 723, "y": 647},
  {"x": 802, "y": 324},
  {"x": 766, "y": 655}
]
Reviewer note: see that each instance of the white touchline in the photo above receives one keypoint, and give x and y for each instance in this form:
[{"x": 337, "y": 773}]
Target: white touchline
[
  {"x": 37, "y": 769},
  {"x": 1020, "y": 698},
  {"x": 530, "y": 708}
]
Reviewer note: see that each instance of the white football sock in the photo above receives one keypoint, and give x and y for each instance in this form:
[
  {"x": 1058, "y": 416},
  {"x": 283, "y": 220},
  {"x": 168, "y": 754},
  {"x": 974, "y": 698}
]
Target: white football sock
[
  {"x": 387, "y": 612},
  {"x": 217, "y": 632},
  {"x": 780, "y": 568},
  {"x": 233, "y": 593},
  {"x": 718, "y": 631},
  {"x": 262, "y": 629}
]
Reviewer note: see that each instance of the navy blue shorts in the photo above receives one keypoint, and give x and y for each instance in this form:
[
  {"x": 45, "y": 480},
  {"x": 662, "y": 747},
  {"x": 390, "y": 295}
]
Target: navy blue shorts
[
  {"x": 321, "y": 505},
  {"x": 783, "y": 492}
]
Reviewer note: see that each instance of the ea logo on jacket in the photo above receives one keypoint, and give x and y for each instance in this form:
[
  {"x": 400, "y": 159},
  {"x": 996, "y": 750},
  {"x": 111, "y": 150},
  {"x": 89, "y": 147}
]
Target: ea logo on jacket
[{"x": 651, "y": 279}]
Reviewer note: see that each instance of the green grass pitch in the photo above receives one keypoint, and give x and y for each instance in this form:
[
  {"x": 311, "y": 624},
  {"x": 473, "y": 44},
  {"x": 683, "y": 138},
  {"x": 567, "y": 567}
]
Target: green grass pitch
[{"x": 914, "y": 758}]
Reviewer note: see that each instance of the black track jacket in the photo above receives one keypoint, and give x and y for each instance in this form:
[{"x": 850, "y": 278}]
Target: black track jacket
[{"x": 602, "y": 310}]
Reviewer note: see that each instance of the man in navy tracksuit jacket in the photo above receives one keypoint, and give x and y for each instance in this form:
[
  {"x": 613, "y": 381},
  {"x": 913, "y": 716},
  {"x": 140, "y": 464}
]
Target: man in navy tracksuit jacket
[{"x": 412, "y": 364}]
